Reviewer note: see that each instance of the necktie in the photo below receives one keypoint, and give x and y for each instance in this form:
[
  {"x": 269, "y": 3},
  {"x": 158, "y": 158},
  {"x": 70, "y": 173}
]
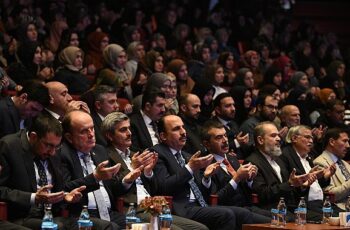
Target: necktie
[
  {"x": 101, "y": 204},
  {"x": 197, "y": 193},
  {"x": 229, "y": 167},
  {"x": 155, "y": 129},
  {"x": 41, "y": 172},
  {"x": 343, "y": 169}
]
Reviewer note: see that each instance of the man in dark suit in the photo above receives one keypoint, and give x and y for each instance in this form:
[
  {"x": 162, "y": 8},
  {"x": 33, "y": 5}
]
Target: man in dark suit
[
  {"x": 61, "y": 101},
  {"x": 105, "y": 102},
  {"x": 273, "y": 180},
  {"x": 143, "y": 123},
  {"x": 189, "y": 110},
  {"x": 295, "y": 156},
  {"x": 232, "y": 182},
  {"x": 86, "y": 163},
  {"x": 16, "y": 111},
  {"x": 116, "y": 128},
  {"x": 178, "y": 175},
  {"x": 224, "y": 107},
  {"x": 30, "y": 174}
]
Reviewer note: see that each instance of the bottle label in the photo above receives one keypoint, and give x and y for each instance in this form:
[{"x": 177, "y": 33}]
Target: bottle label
[
  {"x": 327, "y": 210},
  {"x": 274, "y": 211},
  {"x": 85, "y": 223},
  {"x": 283, "y": 211},
  {"x": 301, "y": 210},
  {"x": 49, "y": 225},
  {"x": 165, "y": 217},
  {"x": 131, "y": 219}
]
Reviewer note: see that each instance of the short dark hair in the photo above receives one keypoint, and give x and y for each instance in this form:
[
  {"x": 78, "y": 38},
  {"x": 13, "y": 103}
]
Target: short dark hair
[
  {"x": 150, "y": 96},
  {"x": 332, "y": 103},
  {"x": 333, "y": 133},
  {"x": 36, "y": 91},
  {"x": 101, "y": 90},
  {"x": 210, "y": 124},
  {"x": 44, "y": 124},
  {"x": 217, "y": 100}
]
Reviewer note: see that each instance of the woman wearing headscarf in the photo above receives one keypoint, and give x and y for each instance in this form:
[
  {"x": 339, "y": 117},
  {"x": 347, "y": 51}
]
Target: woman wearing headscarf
[
  {"x": 115, "y": 58},
  {"x": 136, "y": 54},
  {"x": 243, "y": 102},
  {"x": 324, "y": 95},
  {"x": 227, "y": 61},
  {"x": 96, "y": 43},
  {"x": 154, "y": 62},
  {"x": 335, "y": 79},
  {"x": 184, "y": 82},
  {"x": 54, "y": 39},
  {"x": 70, "y": 71},
  {"x": 205, "y": 91},
  {"x": 251, "y": 60}
]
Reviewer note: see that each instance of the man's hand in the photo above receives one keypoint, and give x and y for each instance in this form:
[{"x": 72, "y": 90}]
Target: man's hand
[
  {"x": 242, "y": 139},
  {"x": 77, "y": 105},
  {"x": 143, "y": 158},
  {"x": 196, "y": 162},
  {"x": 133, "y": 175},
  {"x": 328, "y": 172},
  {"x": 149, "y": 165},
  {"x": 43, "y": 195},
  {"x": 318, "y": 171},
  {"x": 318, "y": 132},
  {"x": 211, "y": 169},
  {"x": 312, "y": 178},
  {"x": 283, "y": 132},
  {"x": 253, "y": 172},
  {"x": 75, "y": 195},
  {"x": 104, "y": 173},
  {"x": 297, "y": 181},
  {"x": 242, "y": 173}
]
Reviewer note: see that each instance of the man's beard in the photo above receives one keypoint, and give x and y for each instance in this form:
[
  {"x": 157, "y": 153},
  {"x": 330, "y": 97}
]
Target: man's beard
[{"x": 274, "y": 151}]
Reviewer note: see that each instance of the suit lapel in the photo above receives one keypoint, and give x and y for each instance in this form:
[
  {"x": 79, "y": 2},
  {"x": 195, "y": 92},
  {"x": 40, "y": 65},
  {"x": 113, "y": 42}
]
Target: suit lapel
[
  {"x": 267, "y": 165},
  {"x": 28, "y": 160},
  {"x": 115, "y": 156},
  {"x": 296, "y": 160},
  {"x": 143, "y": 128},
  {"x": 15, "y": 117}
]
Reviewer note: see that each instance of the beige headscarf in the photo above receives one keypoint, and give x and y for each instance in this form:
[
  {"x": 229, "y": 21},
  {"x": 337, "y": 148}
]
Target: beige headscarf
[
  {"x": 68, "y": 55},
  {"x": 110, "y": 54}
]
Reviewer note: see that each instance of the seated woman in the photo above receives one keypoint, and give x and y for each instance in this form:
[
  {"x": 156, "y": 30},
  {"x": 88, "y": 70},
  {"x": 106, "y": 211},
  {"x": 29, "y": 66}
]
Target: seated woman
[{"x": 70, "y": 71}]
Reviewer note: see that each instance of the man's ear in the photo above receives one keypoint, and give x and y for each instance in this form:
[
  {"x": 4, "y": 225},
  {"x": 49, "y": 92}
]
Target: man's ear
[
  {"x": 294, "y": 137},
  {"x": 183, "y": 108},
  {"x": 33, "y": 136},
  {"x": 162, "y": 136},
  {"x": 98, "y": 105},
  {"x": 331, "y": 142},
  {"x": 147, "y": 106},
  {"x": 68, "y": 137},
  {"x": 108, "y": 136},
  {"x": 260, "y": 140},
  {"x": 52, "y": 100},
  {"x": 206, "y": 144}
]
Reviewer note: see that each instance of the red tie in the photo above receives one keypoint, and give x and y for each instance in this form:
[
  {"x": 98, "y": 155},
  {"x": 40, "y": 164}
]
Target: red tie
[{"x": 229, "y": 168}]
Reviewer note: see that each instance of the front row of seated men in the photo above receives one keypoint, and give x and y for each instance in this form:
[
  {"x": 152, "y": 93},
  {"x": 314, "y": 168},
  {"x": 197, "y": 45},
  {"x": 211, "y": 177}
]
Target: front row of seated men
[{"x": 62, "y": 165}]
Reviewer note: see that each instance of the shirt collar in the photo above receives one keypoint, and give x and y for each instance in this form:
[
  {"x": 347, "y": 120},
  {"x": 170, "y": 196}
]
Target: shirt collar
[
  {"x": 124, "y": 155},
  {"x": 146, "y": 118},
  {"x": 224, "y": 122},
  {"x": 332, "y": 156},
  {"x": 218, "y": 158},
  {"x": 102, "y": 117},
  {"x": 55, "y": 115}
]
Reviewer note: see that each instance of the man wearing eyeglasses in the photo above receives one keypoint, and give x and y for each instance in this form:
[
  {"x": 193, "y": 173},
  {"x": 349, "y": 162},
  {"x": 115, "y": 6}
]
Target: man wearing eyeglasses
[
  {"x": 30, "y": 177},
  {"x": 267, "y": 107},
  {"x": 295, "y": 156}
]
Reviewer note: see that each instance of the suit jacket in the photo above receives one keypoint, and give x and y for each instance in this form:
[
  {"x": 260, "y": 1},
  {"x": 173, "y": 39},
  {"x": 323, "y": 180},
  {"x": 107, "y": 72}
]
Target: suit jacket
[
  {"x": 267, "y": 185},
  {"x": 291, "y": 160},
  {"x": 172, "y": 179},
  {"x": 9, "y": 117},
  {"x": 227, "y": 195},
  {"x": 141, "y": 138},
  {"x": 97, "y": 126},
  {"x": 131, "y": 196},
  {"x": 73, "y": 176},
  {"x": 338, "y": 185},
  {"x": 17, "y": 178}
]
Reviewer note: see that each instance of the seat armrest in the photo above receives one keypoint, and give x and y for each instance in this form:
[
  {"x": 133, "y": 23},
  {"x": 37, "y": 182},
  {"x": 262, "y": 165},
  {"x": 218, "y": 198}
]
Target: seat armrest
[{"x": 3, "y": 211}]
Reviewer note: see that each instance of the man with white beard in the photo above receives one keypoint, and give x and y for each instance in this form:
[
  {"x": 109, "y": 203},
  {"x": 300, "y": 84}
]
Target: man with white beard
[{"x": 273, "y": 180}]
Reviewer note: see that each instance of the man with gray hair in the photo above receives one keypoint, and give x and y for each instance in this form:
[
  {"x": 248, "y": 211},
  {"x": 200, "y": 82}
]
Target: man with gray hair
[
  {"x": 295, "y": 156},
  {"x": 116, "y": 129},
  {"x": 273, "y": 180}
]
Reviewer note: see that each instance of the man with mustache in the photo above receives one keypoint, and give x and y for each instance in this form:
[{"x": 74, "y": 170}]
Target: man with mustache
[
  {"x": 295, "y": 156},
  {"x": 144, "y": 122},
  {"x": 225, "y": 112},
  {"x": 337, "y": 145},
  {"x": 177, "y": 174},
  {"x": 86, "y": 163},
  {"x": 232, "y": 182},
  {"x": 116, "y": 129},
  {"x": 273, "y": 180}
]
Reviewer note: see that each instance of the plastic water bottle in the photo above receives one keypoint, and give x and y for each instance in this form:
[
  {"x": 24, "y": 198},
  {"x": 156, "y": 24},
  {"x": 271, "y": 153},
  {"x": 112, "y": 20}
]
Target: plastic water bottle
[
  {"x": 347, "y": 205},
  {"x": 84, "y": 221},
  {"x": 282, "y": 212},
  {"x": 165, "y": 218},
  {"x": 47, "y": 223},
  {"x": 302, "y": 211},
  {"x": 327, "y": 210},
  {"x": 131, "y": 216}
]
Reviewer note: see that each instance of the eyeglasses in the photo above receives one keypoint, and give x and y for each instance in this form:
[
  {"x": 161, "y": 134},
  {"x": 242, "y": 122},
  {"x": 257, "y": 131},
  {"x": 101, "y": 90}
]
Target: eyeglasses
[
  {"x": 272, "y": 107},
  {"x": 50, "y": 146},
  {"x": 309, "y": 137}
]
